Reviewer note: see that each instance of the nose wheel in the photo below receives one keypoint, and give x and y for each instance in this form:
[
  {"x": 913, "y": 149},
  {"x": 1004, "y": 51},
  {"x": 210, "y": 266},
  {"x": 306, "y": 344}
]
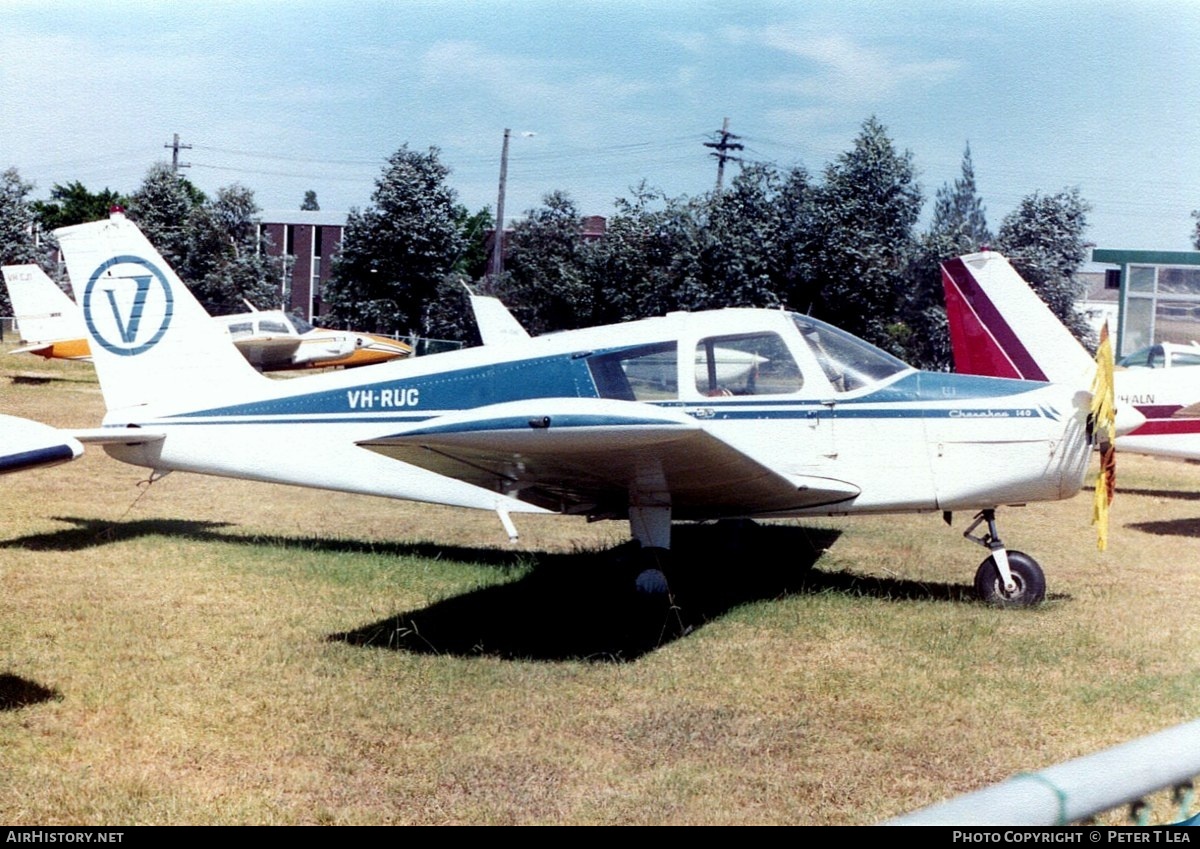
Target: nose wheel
[
  {"x": 1028, "y": 582},
  {"x": 1007, "y": 578}
]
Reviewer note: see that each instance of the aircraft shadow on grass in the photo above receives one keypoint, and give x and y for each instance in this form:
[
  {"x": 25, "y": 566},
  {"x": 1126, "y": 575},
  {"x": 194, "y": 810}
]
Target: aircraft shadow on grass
[
  {"x": 1169, "y": 527},
  {"x": 1173, "y": 494},
  {"x": 568, "y": 606},
  {"x": 17, "y": 692},
  {"x": 585, "y": 606}
]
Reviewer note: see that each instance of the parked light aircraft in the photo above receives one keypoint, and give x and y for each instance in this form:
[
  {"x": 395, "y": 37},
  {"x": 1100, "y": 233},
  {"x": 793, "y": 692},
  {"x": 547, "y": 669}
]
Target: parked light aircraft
[
  {"x": 52, "y": 327},
  {"x": 1163, "y": 355},
  {"x": 1000, "y": 327},
  {"x": 611, "y": 422}
]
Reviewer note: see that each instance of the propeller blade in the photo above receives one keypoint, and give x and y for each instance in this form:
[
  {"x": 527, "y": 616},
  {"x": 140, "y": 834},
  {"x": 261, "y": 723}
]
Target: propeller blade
[{"x": 1104, "y": 428}]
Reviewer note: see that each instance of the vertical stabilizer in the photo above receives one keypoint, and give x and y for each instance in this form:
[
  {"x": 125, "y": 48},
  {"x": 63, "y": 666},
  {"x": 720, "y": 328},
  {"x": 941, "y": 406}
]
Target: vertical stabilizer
[
  {"x": 44, "y": 312},
  {"x": 999, "y": 327},
  {"x": 497, "y": 325},
  {"x": 151, "y": 341}
]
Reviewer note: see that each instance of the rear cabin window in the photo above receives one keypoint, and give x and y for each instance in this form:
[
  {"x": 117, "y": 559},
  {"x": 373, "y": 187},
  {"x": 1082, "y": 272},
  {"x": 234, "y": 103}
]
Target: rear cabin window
[
  {"x": 645, "y": 373},
  {"x": 758, "y": 364}
]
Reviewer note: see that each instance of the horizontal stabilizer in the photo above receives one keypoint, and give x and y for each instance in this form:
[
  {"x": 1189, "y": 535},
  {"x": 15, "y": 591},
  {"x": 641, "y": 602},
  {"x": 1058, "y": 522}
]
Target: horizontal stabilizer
[
  {"x": 117, "y": 436},
  {"x": 26, "y": 444}
]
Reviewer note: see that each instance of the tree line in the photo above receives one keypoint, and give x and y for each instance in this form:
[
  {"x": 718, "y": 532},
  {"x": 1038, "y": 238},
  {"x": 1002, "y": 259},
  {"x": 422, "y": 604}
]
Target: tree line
[{"x": 841, "y": 245}]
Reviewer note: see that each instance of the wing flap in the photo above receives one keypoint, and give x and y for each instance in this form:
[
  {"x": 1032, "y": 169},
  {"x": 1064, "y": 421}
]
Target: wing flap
[{"x": 586, "y": 455}]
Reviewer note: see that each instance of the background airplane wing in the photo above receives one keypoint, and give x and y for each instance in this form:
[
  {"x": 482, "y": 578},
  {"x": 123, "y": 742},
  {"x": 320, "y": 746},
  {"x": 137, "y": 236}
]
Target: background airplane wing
[
  {"x": 586, "y": 455},
  {"x": 268, "y": 350}
]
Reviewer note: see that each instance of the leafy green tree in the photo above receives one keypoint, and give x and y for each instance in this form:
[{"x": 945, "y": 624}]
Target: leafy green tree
[
  {"x": 224, "y": 263},
  {"x": 310, "y": 202},
  {"x": 734, "y": 257},
  {"x": 1044, "y": 240},
  {"x": 959, "y": 226},
  {"x": 633, "y": 268},
  {"x": 474, "y": 229},
  {"x": 161, "y": 207},
  {"x": 1196, "y": 231},
  {"x": 17, "y": 242},
  {"x": 862, "y": 239},
  {"x": 959, "y": 213},
  {"x": 397, "y": 251},
  {"x": 75, "y": 204},
  {"x": 544, "y": 282}
]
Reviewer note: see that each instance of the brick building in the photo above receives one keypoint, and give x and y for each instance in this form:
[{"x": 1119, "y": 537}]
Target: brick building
[{"x": 309, "y": 240}]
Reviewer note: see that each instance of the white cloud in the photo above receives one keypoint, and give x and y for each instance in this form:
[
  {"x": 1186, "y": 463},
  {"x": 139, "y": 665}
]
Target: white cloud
[{"x": 839, "y": 69}]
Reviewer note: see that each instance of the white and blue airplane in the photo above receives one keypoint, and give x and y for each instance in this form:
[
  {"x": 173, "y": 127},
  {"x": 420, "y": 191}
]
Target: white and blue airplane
[{"x": 691, "y": 416}]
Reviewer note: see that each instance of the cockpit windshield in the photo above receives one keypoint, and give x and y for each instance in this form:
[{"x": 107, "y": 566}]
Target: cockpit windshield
[
  {"x": 847, "y": 361},
  {"x": 300, "y": 324}
]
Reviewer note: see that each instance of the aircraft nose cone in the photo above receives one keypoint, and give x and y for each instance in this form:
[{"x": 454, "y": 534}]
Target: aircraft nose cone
[{"x": 1128, "y": 419}]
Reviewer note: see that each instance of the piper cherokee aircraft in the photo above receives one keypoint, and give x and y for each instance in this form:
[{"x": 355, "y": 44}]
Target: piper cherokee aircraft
[
  {"x": 1000, "y": 327},
  {"x": 615, "y": 422},
  {"x": 52, "y": 327}
]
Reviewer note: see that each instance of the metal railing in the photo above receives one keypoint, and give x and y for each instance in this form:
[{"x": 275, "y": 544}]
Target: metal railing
[{"x": 1079, "y": 789}]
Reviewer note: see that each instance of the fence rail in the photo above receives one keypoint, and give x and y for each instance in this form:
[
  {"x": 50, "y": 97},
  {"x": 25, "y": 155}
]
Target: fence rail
[{"x": 1078, "y": 789}]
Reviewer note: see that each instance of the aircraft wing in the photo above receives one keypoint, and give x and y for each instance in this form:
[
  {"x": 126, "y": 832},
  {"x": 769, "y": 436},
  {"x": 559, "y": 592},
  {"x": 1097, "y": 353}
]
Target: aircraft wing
[
  {"x": 268, "y": 350},
  {"x": 583, "y": 455},
  {"x": 26, "y": 444},
  {"x": 41, "y": 349}
]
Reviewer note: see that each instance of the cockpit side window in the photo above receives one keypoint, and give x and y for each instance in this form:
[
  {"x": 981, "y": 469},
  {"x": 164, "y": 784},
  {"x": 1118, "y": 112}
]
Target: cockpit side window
[
  {"x": 645, "y": 373},
  {"x": 270, "y": 325},
  {"x": 1185, "y": 358},
  {"x": 757, "y": 364}
]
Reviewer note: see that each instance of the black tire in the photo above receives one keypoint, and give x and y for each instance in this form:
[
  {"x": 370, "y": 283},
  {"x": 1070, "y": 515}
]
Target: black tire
[{"x": 1028, "y": 575}]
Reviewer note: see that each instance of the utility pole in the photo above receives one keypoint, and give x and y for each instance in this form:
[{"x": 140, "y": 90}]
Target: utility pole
[
  {"x": 496, "y": 265},
  {"x": 719, "y": 148},
  {"x": 175, "y": 148}
]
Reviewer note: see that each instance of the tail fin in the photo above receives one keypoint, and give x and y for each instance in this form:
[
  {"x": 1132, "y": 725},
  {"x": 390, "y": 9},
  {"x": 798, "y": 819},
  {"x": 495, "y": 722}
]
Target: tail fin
[
  {"x": 497, "y": 325},
  {"x": 999, "y": 327},
  {"x": 43, "y": 311},
  {"x": 151, "y": 341}
]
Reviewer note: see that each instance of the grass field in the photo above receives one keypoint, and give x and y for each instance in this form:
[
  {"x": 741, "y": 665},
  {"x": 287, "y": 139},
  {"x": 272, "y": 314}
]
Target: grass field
[{"x": 211, "y": 651}]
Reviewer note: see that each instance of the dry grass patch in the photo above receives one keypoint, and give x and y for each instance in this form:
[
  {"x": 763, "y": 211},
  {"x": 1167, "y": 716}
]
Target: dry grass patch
[{"x": 213, "y": 651}]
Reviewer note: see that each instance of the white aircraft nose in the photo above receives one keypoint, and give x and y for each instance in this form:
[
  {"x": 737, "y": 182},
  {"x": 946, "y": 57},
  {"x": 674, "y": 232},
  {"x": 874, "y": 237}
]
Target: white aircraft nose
[{"x": 1128, "y": 419}]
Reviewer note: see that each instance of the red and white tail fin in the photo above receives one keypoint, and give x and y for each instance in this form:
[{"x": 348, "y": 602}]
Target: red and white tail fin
[
  {"x": 999, "y": 327},
  {"x": 151, "y": 341},
  {"x": 43, "y": 311}
]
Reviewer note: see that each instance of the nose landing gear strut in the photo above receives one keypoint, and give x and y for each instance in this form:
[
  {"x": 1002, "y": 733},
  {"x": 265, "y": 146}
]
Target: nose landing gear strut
[{"x": 1007, "y": 578}]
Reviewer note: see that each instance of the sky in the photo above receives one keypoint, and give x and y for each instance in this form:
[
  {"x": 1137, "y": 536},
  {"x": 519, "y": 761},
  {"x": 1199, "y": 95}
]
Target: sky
[{"x": 284, "y": 97}]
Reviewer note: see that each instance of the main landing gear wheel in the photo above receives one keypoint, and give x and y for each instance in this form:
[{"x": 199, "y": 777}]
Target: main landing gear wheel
[{"x": 1026, "y": 574}]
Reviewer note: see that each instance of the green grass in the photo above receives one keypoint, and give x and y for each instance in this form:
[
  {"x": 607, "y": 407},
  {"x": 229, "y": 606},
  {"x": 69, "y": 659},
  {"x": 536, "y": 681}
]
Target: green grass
[{"x": 212, "y": 651}]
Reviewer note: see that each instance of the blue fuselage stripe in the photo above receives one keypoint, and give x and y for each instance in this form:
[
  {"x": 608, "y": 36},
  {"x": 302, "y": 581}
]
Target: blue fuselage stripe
[{"x": 415, "y": 399}]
